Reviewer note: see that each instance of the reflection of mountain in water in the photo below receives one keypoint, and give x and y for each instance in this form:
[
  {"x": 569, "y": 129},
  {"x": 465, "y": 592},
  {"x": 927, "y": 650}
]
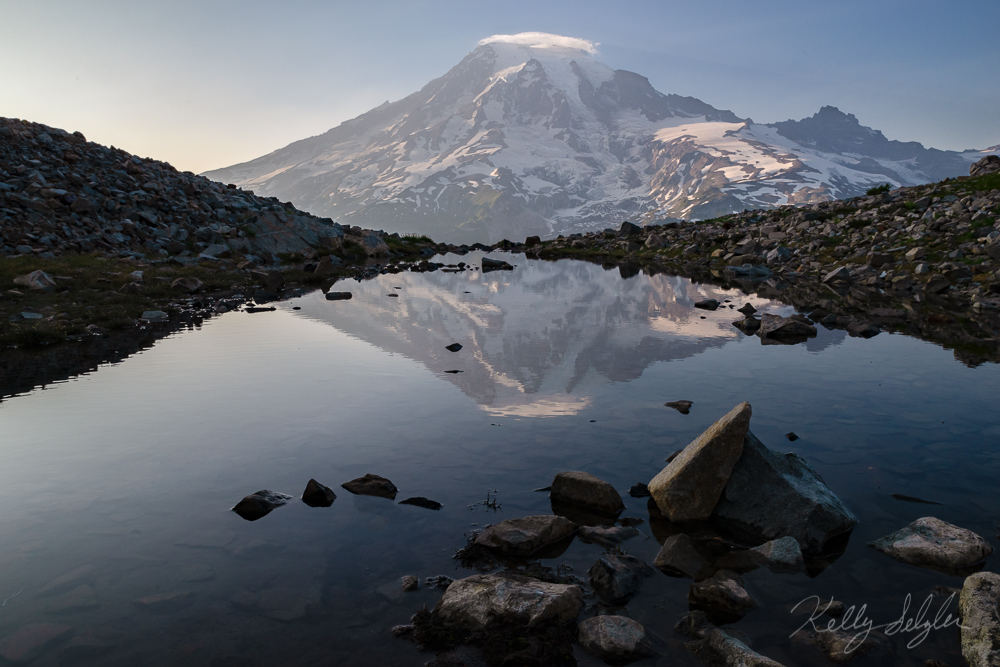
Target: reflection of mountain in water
[{"x": 537, "y": 339}]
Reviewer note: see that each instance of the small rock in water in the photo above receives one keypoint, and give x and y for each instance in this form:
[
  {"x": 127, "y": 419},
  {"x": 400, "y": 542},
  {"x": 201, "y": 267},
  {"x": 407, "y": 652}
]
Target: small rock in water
[
  {"x": 420, "y": 501},
  {"x": 911, "y": 499},
  {"x": 410, "y": 583},
  {"x": 483, "y": 601},
  {"x": 607, "y": 536},
  {"x": 526, "y": 535},
  {"x": 454, "y": 347},
  {"x": 639, "y": 490},
  {"x": 631, "y": 521},
  {"x": 707, "y": 304},
  {"x": 749, "y": 325},
  {"x": 582, "y": 488},
  {"x": 683, "y": 407},
  {"x": 747, "y": 309},
  {"x": 495, "y": 265},
  {"x": 792, "y": 436},
  {"x": 454, "y": 372},
  {"x": 617, "y": 577},
  {"x": 393, "y": 295},
  {"x": 439, "y": 581},
  {"x": 932, "y": 543},
  {"x": 318, "y": 495},
  {"x": 679, "y": 557},
  {"x": 372, "y": 485},
  {"x": 781, "y": 556},
  {"x": 723, "y": 594},
  {"x": 617, "y": 639},
  {"x": 338, "y": 296},
  {"x": 260, "y": 504}
]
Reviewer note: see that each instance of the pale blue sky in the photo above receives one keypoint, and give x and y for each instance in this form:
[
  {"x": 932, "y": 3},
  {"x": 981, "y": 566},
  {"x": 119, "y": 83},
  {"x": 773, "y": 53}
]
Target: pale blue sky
[{"x": 206, "y": 84}]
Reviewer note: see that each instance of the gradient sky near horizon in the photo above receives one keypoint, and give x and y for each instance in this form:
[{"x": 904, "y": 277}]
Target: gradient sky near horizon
[{"x": 206, "y": 84}]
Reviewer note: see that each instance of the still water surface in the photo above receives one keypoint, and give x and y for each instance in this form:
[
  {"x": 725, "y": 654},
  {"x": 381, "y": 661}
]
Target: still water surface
[{"x": 116, "y": 486}]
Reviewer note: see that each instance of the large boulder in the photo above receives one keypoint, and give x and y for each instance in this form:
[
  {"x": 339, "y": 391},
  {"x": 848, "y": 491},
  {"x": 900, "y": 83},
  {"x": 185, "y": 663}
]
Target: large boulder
[
  {"x": 979, "y": 607},
  {"x": 772, "y": 495},
  {"x": 617, "y": 577},
  {"x": 524, "y": 536},
  {"x": 719, "y": 649},
  {"x": 932, "y": 543},
  {"x": 690, "y": 486},
  {"x": 985, "y": 165},
  {"x": 582, "y": 488},
  {"x": 617, "y": 639},
  {"x": 484, "y": 600}
]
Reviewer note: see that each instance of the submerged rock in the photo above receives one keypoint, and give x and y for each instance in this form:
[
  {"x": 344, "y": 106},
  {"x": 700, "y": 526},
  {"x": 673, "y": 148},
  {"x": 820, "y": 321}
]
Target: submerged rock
[
  {"x": 318, "y": 495},
  {"x": 420, "y": 501},
  {"x": 617, "y": 577},
  {"x": 749, "y": 325},
  {"x": 484, "y": 600},
  {"x": 410, "y": 583},
  {"x": 607, "y": 536},
  {"x": 932, "y": 543},
  {"x": 781, "y": 555},
  {"x": 524, "y": 536},
  {"x": 582, "y": 488},
  {"x": 372, "y": 485},
  {"x": 260, "y": 504},
  {"x": 723, "y": 594},
  {"x": 639, "y": 490},
  {"x": 718, "y": 649},
  {"x": 679, "y": 557},
  {"x": 683, "y": 407},
  {"x": 979, "y": 607},
  {"x": 689, "y": 487},
  {"x": 772, "y": 495},
  {"x": 29, "y": 641},
  {"x": 617, "y": 639}
]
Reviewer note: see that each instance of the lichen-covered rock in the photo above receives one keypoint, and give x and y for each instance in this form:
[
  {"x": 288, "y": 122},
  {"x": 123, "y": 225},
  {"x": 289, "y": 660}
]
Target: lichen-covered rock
[
  {"x": 979, "y": 607},
  {"x": 690, "y": 486},
  {"x": 483, "y": 600},
  {"x": 932, "y": 543},
  {"x": 526, "y": 535},
  {"x": 582, "y": 488},
  {"x": 617, "y": 639},
  {"x": 772, "y": 495}
]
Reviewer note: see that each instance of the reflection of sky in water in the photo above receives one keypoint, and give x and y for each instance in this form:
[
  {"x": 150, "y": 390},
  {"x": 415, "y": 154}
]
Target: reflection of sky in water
[{"x": 129, "y": 472}]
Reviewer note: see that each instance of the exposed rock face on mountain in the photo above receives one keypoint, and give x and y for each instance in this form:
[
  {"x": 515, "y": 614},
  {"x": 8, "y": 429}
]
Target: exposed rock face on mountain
[{"x": 535, "y": 137}]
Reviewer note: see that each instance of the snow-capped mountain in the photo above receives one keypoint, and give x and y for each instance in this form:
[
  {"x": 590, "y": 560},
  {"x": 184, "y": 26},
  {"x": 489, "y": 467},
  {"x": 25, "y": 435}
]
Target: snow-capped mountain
[{"x": 529, "y": 134}]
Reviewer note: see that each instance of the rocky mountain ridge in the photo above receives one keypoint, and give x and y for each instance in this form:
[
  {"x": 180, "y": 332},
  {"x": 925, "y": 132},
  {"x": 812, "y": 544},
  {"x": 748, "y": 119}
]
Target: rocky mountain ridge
[{"x": 518, "y": 140}]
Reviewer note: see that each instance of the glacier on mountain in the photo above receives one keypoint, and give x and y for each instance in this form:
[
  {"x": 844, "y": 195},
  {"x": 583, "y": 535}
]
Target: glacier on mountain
[{"x": 530, "y": 134}]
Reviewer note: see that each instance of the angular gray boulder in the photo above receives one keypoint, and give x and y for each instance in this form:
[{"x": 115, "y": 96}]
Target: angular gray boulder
[
  {"x": 483, "y": 600},
  {"x": 617, "y": 577},
  {"x": 690, "y": 486},
  {"x": 617, "y": 639},
  {"x": 932, "y": 543},
  {"x": 582, "y": 488},
  {"x": 772, "y": 495},
  {"x": 979, "y": 607},
  {"x": 526, "y": 535}
]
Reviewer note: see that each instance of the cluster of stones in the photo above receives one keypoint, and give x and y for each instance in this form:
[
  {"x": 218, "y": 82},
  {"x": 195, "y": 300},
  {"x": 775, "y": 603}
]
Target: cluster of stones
[{"x": 765, "y": 509}]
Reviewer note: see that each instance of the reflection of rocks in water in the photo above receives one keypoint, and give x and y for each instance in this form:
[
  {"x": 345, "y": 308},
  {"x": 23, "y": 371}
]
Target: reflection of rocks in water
[{"x": 539, "y": 339}]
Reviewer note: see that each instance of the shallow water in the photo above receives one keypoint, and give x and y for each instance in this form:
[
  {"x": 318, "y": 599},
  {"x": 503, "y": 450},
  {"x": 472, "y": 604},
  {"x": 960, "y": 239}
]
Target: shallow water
[{"x": 123, "y": 478}]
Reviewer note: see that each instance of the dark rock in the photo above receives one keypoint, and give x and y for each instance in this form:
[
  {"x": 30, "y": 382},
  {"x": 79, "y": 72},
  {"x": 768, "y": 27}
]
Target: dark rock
[
  {"x": 771, "y": 495},
  {"x": 932, "y": 543},
  {"x": 260, "y": 504},
  {"x": 680, "y": 557},
  {"x": 526, "y": 535},
  {"x": 722, "y": 595},
  {"x": 842, "y": 646},
  {"x": 338, "y": 296},
  {"x": 617, "y": 577},
  {"x": 607, "y": 536},
  {"x": 986, "y": 165},
  {"x": 582, "y": 488},
  {"x": 775, "y": 326},
  {"x": 719, "y": 649},
  {"x": 410, "y": 583},
  {"x": 628, "y": 229},
  {"x": 912, "y": 499},
  {"x": 495, "y": 265},
  {"x": 781, "y": 556},
  {"x": 420, "y": 501},
  {"x": 454, "y": 347},
  {"x": 792, "y": 436},
  {"x": 617, "y": 640},
  {"x": 372, "y": 485},
  {"x": 532, "y": 241},
  {"x": 747, "y": 309},
  {"x": 707, "y": 304},
  {"x": 748, "y": 325},
  {"x": 317, "y": 495},
  {"x": 274, "y": 281},
  {"x": 639, "y": 490},
  {"x": 840, "y": 274},
  {"x": 683, "y": 407},
  {"x": 688, "y": 488},
  {"x": 863, "y": 329}
]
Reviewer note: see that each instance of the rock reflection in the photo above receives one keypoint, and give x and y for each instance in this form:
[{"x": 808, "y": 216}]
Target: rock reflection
[{"x": 539, "y": 340}]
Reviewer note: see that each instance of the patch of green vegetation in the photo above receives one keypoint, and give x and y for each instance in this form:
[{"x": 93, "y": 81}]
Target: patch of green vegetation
[
  {"x": 878, "y": 189},
  {"x": 983, "y": 183},
  {"x": 89, "y": 290}
]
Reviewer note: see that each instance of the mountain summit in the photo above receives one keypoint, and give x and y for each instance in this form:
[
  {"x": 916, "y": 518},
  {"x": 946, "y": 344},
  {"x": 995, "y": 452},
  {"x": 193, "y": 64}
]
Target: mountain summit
[{"x": 529, "y": 134}]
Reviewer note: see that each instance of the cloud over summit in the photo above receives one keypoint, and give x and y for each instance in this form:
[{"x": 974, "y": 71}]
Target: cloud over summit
[{"x": 544, "y": 40}]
